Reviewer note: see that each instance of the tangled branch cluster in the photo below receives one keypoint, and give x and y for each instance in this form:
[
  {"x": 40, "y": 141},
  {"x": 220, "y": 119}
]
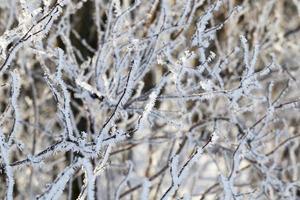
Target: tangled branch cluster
[{"x": 158, "y": 99}]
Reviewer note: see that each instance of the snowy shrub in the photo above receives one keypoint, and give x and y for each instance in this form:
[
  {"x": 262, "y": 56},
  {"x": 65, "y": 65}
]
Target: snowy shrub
[{"x": 149, "y": 99}]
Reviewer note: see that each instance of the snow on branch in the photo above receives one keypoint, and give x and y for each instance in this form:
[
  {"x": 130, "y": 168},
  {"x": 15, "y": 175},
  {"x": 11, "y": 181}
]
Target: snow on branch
[{"x": 157, "y": 99}]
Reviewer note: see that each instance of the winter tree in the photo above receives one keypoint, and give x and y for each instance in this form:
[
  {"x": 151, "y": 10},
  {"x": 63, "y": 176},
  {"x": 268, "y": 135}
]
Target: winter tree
[{"x": 149, "y": 99}]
